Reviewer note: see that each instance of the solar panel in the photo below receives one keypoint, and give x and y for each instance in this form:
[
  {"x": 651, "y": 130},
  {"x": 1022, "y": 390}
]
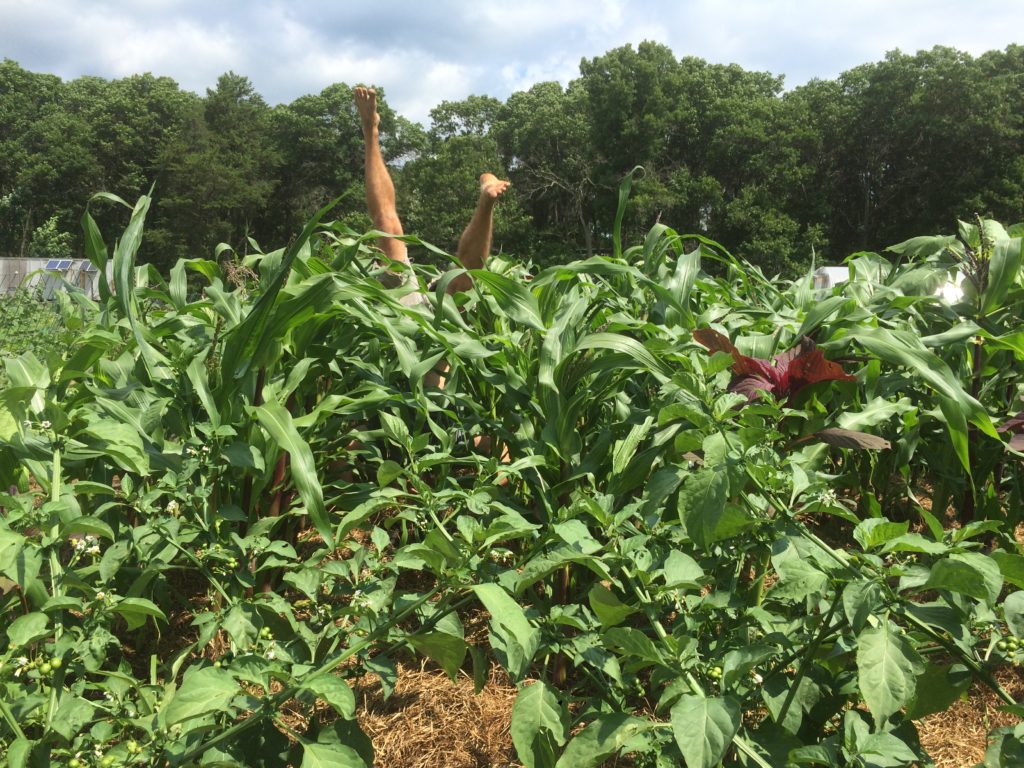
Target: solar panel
[
  {"x": 53, "y": 264},
  {"x": 64, "y": 264},
  {"x": 88, "y": 266}
]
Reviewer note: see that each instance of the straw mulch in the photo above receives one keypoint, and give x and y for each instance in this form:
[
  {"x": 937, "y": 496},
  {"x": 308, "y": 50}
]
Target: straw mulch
[
  {"x": 957, "y": 737},
  {"x": 430, "y": 721}
]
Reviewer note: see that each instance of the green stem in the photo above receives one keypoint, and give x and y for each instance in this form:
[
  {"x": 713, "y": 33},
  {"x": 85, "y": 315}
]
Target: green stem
[
  {"x": 809, "y": 653},
  {"x": 9, "y": 717}
]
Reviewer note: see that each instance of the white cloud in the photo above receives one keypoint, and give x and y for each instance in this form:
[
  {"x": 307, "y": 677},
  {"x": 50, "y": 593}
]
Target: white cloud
[{"x": 423, "y": 53}]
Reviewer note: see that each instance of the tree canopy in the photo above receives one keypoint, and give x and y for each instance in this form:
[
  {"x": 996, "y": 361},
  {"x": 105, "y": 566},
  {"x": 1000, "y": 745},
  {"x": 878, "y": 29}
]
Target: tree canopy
[{"x": 884, "y": 151}]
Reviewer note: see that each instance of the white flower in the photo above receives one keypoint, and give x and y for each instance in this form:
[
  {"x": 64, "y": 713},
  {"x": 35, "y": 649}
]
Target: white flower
[
  {"x": 173, "y": 508},
  {"x": 101, "y": 595},
  {"x": 270, "y": 653},
  {"x": 80, "y": 544},
  {"x": 45, "y": 425},
  {"x": 26, "y": 424},
  {"x": 206, "y": 449},
  {"x": 93, "y": 550}
]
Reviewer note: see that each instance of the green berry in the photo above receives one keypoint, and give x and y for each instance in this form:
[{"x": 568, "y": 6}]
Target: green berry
[
  {"x": 74, "y": 762},
  {"x": 56, "y": 662},
  {"x": 132, "y": 746},
  {"x": 217, "y": 664},
  {"x": 1002, "y": 645},
  {"x": 45, "y": 668},
  {"x": 107, "y": 761}
]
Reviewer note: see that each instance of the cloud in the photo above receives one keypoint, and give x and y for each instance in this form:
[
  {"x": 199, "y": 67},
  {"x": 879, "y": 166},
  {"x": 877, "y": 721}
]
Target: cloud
[{"x": 423, "y": 53}]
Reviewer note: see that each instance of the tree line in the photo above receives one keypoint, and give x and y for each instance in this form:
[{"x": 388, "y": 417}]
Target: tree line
[{"x": 887, "y": 150}]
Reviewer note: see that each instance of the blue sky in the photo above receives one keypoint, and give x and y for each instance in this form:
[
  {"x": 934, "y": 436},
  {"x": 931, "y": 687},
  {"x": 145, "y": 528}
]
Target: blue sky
[{"x": 426, "y": 51}]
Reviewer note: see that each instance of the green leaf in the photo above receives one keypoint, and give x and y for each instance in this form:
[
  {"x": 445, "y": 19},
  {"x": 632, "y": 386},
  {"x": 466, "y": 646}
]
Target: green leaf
[
  {"x": 970, "y": 574},
  {"x": 937, "y": 688},
  {"x": 136, "y": 610},
  {"x": 331, "y": 756},
  {"x": 1010, "y": 565},
  {"x": 203, "y": 691},
  {"x": 681, "y": 570},
  {"x": 538, "y": 723},
  {"x": 608, "y": 608},
  {"x": 704, "y": 728},
  {"x": 447, "y": 650},
  {"x": 334, "y": 691},
  {"x": 1013, "y": 609},
  {"x": 512, "y": 296},
  {"x": 601, "y": 739},
  {"x": 887, "y": 669},
  {"x": 274, "y": 418},
  {"x": 798, "y": 577},
  {"x": 876, "y": 531},
  {"x": 702, "y": 502},
  {"x": 73, "y": 714},
  {"x": 513, "y": 638},
  {"x": 1003, "y": 269},
  {"x": 28, "y": 628}
]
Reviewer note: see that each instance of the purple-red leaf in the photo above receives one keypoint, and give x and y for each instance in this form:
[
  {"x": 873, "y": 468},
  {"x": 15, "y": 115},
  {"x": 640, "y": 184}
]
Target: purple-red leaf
[
  {"x": 1013, "y": 424},
  {"x": 786, "y": 374}
]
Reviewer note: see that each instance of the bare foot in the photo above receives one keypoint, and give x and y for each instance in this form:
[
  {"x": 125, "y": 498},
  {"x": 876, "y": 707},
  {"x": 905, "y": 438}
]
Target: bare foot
[
  {"x": 366, "y": 103},
  {"x": 491, "y": 187}
]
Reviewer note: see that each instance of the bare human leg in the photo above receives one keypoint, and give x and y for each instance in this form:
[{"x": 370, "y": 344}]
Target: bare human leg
[
  {"x": 380, "y": 190},
  {"x": 475, "y": 243}
]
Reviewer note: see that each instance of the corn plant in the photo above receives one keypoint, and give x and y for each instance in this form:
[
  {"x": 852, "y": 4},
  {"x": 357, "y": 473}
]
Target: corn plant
[{"x": 254, "y": 452}]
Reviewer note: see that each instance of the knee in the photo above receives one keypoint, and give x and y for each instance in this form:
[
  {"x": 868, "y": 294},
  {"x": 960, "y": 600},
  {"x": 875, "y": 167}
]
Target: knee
[{"x": 388, "y": 222}]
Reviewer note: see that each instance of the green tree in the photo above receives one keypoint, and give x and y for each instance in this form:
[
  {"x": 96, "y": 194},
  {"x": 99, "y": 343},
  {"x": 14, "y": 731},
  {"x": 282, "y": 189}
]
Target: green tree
[{"x": 543, "y": 137}]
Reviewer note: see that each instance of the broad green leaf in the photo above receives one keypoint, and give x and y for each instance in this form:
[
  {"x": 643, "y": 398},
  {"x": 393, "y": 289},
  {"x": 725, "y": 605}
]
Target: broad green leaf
[
  {"x": 602, "y": 738},
  {"x": 136, "y": 610},
  {"x": 937, "y": 688},
  {"x": 704, "y": 728},
  {"x": 702, "y": 502},
  {"x": 887, "y": 670},
  {"x": 877, "y": 531},
  {"x": 203, "y": 691},
  {"x": 28, "y": 628},
  {"x": 608, "y": 608},
  {"x": 970, "y": 574},
  {"x": 514, "y": 639},
  {"x": 681, "y": 570},
  {"x": 333, "y": 755},
  {"x": 538, "y": 723},
  {"x": 73, "y": 714},
  {"x": 447, "y": 650},
  {"x": 1013, "y": 608},
  {"x": 334, "y": 690},
  {"x": 1010, "y": 565}
]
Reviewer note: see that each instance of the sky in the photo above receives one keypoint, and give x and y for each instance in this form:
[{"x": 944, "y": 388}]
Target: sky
[{"x": 423, "y": 52}]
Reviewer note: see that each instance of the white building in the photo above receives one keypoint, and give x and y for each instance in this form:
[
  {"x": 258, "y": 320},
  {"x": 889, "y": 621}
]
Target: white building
[{"x": 50, "y": 275}]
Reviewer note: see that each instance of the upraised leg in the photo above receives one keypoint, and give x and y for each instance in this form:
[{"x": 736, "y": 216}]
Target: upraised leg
[
  {"x": 380, "y": 190},
  {"x": 475, "y": 243}
]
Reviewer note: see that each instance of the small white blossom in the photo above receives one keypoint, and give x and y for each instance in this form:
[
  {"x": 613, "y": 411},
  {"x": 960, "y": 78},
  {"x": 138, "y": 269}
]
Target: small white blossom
[
  {"x": 173, "y": 508},
  {"x": 101, "y": 595},
  {"x": 26, "y": 424},
  {"x": 270, "y": 653},
  {"x": 45, "y": 425},
  {"x": 93, "y": 550},
  {"x": 206, "y": 449},
  {"x": 828, "y": 498}
]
